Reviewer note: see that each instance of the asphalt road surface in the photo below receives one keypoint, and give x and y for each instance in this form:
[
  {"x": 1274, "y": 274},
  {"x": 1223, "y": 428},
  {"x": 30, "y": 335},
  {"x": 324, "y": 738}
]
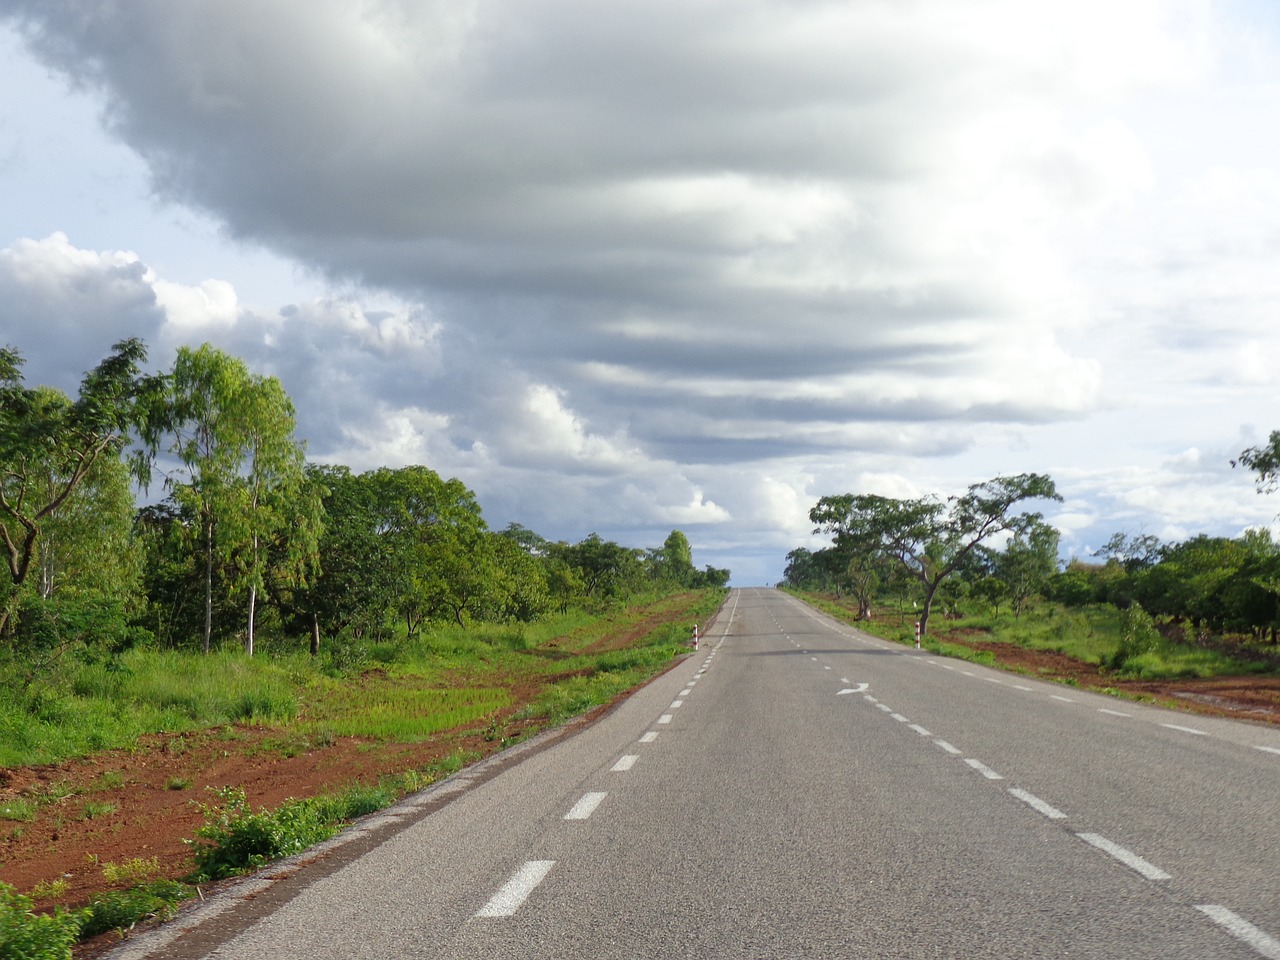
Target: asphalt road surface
[{"x": 799, "y": 789}]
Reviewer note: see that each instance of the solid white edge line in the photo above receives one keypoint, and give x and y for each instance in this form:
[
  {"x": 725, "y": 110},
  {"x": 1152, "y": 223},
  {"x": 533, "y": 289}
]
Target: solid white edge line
[
  {"x": 1127, "y": 857},
  {"x": 1053, "y": 813},
  {"x": 983, "y": 769},
  {"x": 1244, "y": 931},
  {"x": 1268, "y": 749},
  {"x": 585, "y": 807},
  {"x": 948, "y": 747},
  {"x": 625, "y": 764},
  {"x": 1174, "y": 726},
  {"x": 515, "y": 891}
]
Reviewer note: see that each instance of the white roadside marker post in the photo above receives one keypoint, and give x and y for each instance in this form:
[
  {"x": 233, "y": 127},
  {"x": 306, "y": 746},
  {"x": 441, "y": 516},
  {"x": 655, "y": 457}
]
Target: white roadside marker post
[
  {"x": 695, "y": 636},
  {"x": 917, "y": 634}
]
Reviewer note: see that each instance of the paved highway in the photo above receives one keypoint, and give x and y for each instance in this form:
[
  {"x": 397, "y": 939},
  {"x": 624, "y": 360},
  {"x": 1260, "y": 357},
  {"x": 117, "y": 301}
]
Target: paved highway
[{"x": 799, "y": 789}]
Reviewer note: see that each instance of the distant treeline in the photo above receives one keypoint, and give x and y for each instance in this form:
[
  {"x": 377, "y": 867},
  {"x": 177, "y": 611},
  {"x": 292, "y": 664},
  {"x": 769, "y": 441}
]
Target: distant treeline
[
  {"x": 251, "y": 541},
  {"x": 929, "y": 551}
]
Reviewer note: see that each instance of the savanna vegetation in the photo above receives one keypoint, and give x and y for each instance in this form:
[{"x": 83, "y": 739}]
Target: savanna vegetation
[
  {"x": 1203, "y": 607},
  {"x": 256, "y": 588}
]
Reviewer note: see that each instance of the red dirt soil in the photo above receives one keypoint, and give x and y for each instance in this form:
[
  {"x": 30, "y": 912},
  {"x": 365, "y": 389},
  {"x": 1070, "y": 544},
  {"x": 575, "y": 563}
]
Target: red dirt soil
[{"x": 154, "y": 790}]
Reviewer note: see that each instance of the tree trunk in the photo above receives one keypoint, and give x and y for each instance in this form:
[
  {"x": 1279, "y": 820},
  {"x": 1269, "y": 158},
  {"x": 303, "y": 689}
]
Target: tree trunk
[
  {"x": 253, "y": 602},
  {"x": 315, "y": 635},
  {"x": 208, "y": 585}
]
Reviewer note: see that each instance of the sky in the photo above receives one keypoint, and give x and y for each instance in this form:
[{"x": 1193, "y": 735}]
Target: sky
[{"x": 647, "y": 265}]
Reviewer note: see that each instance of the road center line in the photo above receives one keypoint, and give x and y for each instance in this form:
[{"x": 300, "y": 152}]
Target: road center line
[
  {"x": 1269, "y": 749},
  {"x": 1127, "y": 857},
  {"x": 515, "y": 891},
  {"x": 649, "y": 737},
  {"x": 1018, "y": 686},
  {"x": 1053, "y": 813},
  {"x": 1054, "y": 696},
  {"x": 1113, "y": 713},
  {"x": 948, "y": 747},
  {"x": 899, "y": 717},
  {"x": 585, "y": 807},
  {"x": 1242, "y": 930},
  {"x": 983, "y": 769},
  {"x": 665, "y": 718},
  {"x": 920, "y": 730},
  {"x": 625, "y": 764},
  {"x": 885, "y": 707},
  {"x": 676, "y": 704},
  {"x": 1174, "y": 726}
]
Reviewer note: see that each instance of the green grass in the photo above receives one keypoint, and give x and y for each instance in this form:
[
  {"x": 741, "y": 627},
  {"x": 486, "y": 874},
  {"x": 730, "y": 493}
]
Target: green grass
[{"x": 384, "y": 711}]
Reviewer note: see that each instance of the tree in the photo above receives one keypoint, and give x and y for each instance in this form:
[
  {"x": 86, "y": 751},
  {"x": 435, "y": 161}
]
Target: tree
[
  {"x": 50, "y": 445},
  {"x": 1027, "y": 562},
  {"x": 1264, "y": 461},
  {"x": 674, "y": 561},
  {"x": 930, "y": 539},
  {"x": 239, "y": 470}
]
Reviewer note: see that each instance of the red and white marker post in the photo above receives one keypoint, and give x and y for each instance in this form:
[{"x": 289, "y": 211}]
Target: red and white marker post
[
  {"x": 917, "y": 634},
  {"x": 695, "y": 636}
]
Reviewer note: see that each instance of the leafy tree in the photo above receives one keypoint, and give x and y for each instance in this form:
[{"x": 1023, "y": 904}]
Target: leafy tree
[
  {"x": 1264, "y": 461},
  {"x": 928, "y": 538},
  {"x": 1027, "y": 562},
  {"x": 50, "y": 445},
  {"x": 673, "y": 562}
]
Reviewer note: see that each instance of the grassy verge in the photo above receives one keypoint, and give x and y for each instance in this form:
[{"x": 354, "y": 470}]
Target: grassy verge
[{"x": 1120, "y": 643}]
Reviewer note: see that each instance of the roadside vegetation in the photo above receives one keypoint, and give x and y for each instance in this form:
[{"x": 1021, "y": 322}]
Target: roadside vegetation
[
  {"x": 262, "y": 592},
  {"x": 1141, "y": 609}
]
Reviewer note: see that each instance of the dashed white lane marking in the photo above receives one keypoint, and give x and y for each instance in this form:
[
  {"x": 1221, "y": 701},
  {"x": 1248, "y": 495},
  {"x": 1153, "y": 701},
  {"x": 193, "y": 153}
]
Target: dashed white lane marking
[
  {"x": 993, "y": 680},
  {"x": 676, "y": 705},
  {"x": 1113, "y": 713},
  {"x": 1244, "y": 931},
  {"x": 948, "y": 747},
  {"x": 968, "y": 674},
  {"x": 665, "y": 718},
  {"x": 1053, "y": 813},
  {"x": 920, "y": 730},
  {"x": 1054, "y": 696},
  {"x": 947, "y": 666},
  {"x": 1127, "y": 857},
  {"x": 885, "y": 707},
  {"x": 869, "y": 698},
  {"x": 1269, "y": 749},
  {"x": 825, "y": 667},
  {"x": 685, "y": 693},
  {"x": 625, "y": 764},
  {"x": 649, "y": 737},
  {"x": 1174, "y": 726},
  {"x": 515, "y": 891},
  {"x": 1018, "y": 686},
  {"x": 899, "y": 717},
  {"x": 585, "y": 807},
  {"x": 983, "y": 769}
]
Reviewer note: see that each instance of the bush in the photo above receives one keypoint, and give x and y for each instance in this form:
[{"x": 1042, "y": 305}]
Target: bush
[
  {"x": 122, "y": 911},
  {"x": 237, "y": 840},
  {"x": 1138, "y": 636},
  {"x": 29, "y": 936}
]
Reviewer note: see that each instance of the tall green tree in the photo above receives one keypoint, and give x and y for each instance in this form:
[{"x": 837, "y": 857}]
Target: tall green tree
[
  {"x": 238, "y": 471},
  {"x": 50, "y": 445},
  {"x": 1027, "y": 562},
  {"x": 928, "y": 538}
]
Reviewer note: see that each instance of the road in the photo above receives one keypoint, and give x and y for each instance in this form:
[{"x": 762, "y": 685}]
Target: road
[{"x": 799, "y": 789}]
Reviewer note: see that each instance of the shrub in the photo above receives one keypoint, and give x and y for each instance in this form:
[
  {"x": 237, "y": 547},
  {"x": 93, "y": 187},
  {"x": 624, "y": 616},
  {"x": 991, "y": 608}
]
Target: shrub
[
  {"x": 29, "y": 936},
  {"x": 122, "y": 911}
]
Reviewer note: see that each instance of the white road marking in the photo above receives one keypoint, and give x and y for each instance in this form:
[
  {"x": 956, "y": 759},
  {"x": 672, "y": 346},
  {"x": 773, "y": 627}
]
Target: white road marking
[
  {"x": 983, "y": 769},
  {"x": 685, "y": 693},
  {"x": 1113, "y": 713},
  {"x": 825, "y": 667},
  {"x": 947, "y": 666},
  {"x": 515, "y": 891},
  {"x": 1268, "y": 749},
  {"x": 947, "y": 747},
  {"x": 1127, "y": 857},
  {"x": 585, "y": 807},
  {"x": 869, "y": 698},
  {"x": 625, "y": 764},
  {"x": 993, "y": 680},
  {"x": 1174, "y": 726},
  {"x": 1054, "y": 696},
  {"x": 968, "y": 674},
  {"x": 649, "y": 737},
  {"x": 885, "y": 707},
  {"x": 920, "y": 730},
  {"x": 1053, "y": 813},
  {"x": 1244, "y": 931},
  {"x": 1018, "y": 686},
  {"x": 676, "y": 705},
  {"x": 899, "y": 717},
  {"x": 665, "y": 718}
]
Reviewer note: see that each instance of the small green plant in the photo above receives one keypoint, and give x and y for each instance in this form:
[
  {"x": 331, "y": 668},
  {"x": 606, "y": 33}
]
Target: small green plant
[
  {"x": 135, "y": 870},
  {"x": 123, "y": 910},
  {"x": 25, "y": 935},
  {"x": 18, "y": 809},
  {"x": 109, "y": 780},
  {"x": 94, "y": 809},
  {"x": 50, "y": 889},
  {"x": 177, "y": 783},
  {"x": 53, "y": 792}
]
